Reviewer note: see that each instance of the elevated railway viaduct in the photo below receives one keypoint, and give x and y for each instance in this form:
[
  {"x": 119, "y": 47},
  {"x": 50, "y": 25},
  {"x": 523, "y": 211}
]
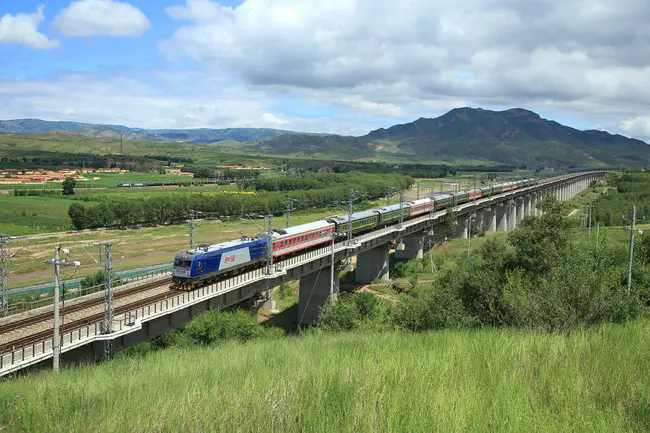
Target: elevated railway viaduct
[{"x": 317, "y": 271}]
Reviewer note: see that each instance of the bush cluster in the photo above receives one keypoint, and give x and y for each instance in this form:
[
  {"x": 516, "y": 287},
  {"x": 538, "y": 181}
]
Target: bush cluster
[
  {"x": 209, "y": 329},
  {"x": 536, "y": 279}
]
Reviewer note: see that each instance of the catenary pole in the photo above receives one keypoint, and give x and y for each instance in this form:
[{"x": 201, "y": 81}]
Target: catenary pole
[
  {"x": 629, "y": 264},
  {"x": 56, "y": 344}
]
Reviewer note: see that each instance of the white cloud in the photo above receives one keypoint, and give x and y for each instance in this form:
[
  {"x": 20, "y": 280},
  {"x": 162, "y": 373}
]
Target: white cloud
[
  {"x": 23, "y": 29},
  {"x": 574, "y": 58},
  {"x": 100, "y": 18},
  {"x": 196, "y": 10},
  {"x": 638, "y": 126}
]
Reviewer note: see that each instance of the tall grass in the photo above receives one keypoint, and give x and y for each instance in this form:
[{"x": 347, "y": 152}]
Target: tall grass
[{"x": 444, "y": 381}]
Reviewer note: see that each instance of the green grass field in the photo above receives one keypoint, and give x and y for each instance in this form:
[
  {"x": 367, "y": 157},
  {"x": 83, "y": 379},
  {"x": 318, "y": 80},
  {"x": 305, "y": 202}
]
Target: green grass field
[
  {"x": 486, "y": 380},
  {"x": 38, "y": 214}
]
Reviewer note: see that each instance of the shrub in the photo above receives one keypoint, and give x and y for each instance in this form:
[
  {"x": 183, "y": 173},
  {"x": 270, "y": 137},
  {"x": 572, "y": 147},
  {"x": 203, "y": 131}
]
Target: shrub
[
  {"x": 213, "y": 327},
  {"x": 429, "y": 307}
]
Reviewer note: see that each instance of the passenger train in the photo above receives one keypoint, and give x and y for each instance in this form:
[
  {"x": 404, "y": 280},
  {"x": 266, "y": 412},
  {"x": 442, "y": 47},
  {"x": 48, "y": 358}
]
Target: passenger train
[{"x": 210, "y": 263}]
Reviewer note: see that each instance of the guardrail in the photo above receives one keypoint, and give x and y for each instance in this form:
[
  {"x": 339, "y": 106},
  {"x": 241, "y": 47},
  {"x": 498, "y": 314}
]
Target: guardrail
[{"x": 69, "y": 294}]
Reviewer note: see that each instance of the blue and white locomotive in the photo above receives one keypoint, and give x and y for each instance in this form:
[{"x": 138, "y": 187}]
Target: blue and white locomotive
[{"x": 205, "y": 264}]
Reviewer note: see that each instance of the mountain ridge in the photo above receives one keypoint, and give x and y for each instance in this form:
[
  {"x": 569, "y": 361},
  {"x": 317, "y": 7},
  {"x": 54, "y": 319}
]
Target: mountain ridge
[
  {"x": 514, "y": 136},
  {"x": 93, "y": 130}
]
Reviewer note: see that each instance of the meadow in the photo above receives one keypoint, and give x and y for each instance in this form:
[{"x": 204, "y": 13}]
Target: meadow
[{"x": 479, "y": 380}]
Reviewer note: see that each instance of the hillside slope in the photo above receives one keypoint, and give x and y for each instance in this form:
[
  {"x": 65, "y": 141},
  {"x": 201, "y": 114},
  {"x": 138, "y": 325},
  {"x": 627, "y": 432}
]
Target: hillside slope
[{"x": 513, "y": 136}]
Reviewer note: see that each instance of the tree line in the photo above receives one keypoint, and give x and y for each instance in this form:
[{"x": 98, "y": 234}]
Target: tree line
[{"x": 175, "y": 207}]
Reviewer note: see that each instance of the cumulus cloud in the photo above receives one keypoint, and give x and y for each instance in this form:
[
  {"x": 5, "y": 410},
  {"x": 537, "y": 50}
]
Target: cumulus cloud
[
  {"x": 638, "y": 126},
  {"x": 196, "y": 10},
  {"x": 23, "y": 29},
  {"x": 100, "y": 18},
  {"x": 381, "y": 57}
]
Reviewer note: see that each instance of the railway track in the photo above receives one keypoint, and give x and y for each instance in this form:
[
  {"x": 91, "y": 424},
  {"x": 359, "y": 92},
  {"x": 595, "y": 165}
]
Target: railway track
[
  {"x": 42, "y": 317},
  {"x": 42, "y": 336}
]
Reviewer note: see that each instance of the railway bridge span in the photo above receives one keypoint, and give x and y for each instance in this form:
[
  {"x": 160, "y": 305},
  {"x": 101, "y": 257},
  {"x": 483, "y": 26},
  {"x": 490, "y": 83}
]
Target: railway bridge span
[{"x": 316, "y": 270}]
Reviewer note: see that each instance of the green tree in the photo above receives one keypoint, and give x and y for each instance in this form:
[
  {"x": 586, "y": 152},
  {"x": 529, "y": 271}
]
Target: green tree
[
  {"x": 542, "y": 242},
  {"x": 451, "y": 223},
  {"x": 68, "y": 186},
  {"x": 77, "y": 214}
]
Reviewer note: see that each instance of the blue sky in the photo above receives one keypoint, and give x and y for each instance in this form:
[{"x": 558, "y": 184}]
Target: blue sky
[{"x": 344, "y": 66}]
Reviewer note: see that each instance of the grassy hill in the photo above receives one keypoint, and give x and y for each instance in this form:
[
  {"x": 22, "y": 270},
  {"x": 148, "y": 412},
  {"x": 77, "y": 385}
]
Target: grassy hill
[{"x": 441, "y": 381}]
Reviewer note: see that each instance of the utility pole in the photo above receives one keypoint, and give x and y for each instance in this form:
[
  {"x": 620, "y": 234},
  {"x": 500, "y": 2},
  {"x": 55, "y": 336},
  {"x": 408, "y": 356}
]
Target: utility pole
[
  {"x": 269, "y": 266},
  {"x": 417, "y": 186},
  {"x": 108, "y": 299},
  {"x": 401, "y": 207},
  {"x": 121, "y": 145},
  {"x": 351, "y": 197},
  {"x": 4, "y": 256},
  {"x": 56, "y": 343},
  {"x": 332, "y": 271},
  {"x": 629, "y": 264},
  {"x": 290, "y": 208},
  {"x": 590, "y": 210},
  {"x": 192, "y": 229},
  {"x": 469, "y": 233},
  {"x": 269, "y": 246}
]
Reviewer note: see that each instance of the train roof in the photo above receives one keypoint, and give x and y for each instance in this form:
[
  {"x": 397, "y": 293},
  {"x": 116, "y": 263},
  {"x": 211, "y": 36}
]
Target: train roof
[
  {"x": 302, "y": 228},
  {"x": 355, "y": 216},
  {"x": 421, "y": 201},
  {"x": 390, "y": 208},
  {"x": 441, "y": 196},
  {"x": 221, "y": 246}
]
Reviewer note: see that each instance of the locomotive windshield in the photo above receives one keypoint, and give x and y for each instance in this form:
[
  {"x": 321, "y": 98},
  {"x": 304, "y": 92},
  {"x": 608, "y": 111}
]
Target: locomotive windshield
[{"x": 182, "y": 263}]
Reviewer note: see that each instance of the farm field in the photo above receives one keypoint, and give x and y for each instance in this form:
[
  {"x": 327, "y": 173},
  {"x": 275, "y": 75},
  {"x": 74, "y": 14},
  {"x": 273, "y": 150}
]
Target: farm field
[
  {"x": 132, "y": 248},
  {"x": 476, "y": 380},
  {"x": 28, "y": 215}
]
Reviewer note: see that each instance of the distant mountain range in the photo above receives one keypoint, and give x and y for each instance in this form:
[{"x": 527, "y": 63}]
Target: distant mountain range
[
  {"x": 463, "y": 135},
  {"x": 198, "y": 136},
  {"x": 514, "y": 136}
]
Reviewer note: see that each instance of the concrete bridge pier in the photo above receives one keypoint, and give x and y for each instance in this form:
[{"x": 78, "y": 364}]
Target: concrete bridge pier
[
  {"x": 413, "y": 247},
  {"x": 373, "y": 265},
  {"x": 462, "y": 230},
  {"x": 501, "y": 212},
  {"x": 314, "y": 292},
  {"x": 491, "y": 219},
  {"x": 521, "y": 209},
  {"x": 528, "y": 205},
  {"x": 512, "y": 218}
]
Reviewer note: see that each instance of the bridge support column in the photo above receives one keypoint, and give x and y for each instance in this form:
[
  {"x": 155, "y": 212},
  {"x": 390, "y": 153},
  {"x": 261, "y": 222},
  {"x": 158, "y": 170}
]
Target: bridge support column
[
  {"x": 521, "y": 208},
  {"x": 313, "y": 294},
  {"x": 372, "y": 265},
  {"x": 413, "y": 245},
  {"x": 462, "y": 230},
  {"x": 501, "y": 213},
  {"x": 491, "y": 217},
  {"x": 512, "y": 218},
  {"x": 528, "y": 205}
]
